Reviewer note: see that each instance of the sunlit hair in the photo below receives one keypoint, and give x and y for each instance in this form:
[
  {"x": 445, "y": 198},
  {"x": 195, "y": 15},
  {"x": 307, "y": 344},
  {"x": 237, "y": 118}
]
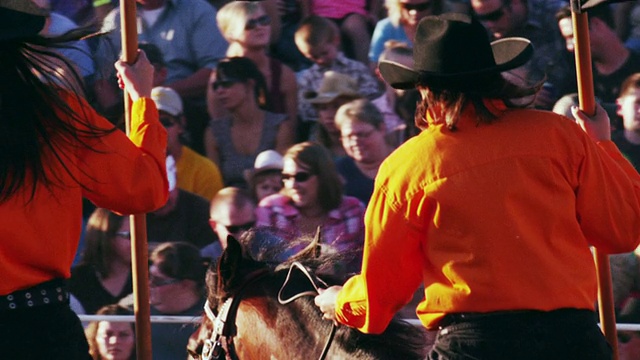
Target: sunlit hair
[
  {"x": 233, "y": 16},
  {"x": 180, "y": 260},
  {"x": 316, "y": 159},
  {"x": 361, "y": 110},
  {"x": 244, "y": 69},
  {"x": 232, "y": 196},
  {"x": 39, "y": 131},
  {"x": 630, "y": 84},
  {"x": 446, "y": 104},
  {"x": 92, "y": 330},
  {"x": 101, "y": 229},
  {"x": 394, "y": 10},
  {"x": 317, "y": 30}
]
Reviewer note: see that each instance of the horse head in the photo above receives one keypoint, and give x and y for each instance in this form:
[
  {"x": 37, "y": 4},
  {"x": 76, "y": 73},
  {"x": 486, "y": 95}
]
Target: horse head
[{"x": 262, "y": 326}]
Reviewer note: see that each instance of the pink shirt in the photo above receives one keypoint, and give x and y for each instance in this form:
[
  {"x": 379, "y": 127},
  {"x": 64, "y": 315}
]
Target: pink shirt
[{"x": 338, "y": 9}]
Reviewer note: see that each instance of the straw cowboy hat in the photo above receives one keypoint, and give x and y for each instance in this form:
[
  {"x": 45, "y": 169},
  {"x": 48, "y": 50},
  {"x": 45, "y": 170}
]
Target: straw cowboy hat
[
  {"x": 452, "y": 51},
  {"x": 22, "y": 18},
  {"x": 333, "y": 86}
]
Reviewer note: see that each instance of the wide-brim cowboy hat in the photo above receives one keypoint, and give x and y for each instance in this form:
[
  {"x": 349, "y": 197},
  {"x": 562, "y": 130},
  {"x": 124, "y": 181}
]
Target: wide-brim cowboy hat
[
  {"x": 452, "y": 51},
  {"x": 21, "y": 19},
  {"x": 333, "y": 86}
]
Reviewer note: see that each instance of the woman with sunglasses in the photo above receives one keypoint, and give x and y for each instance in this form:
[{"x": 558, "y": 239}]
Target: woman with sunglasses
[
  {"x": 401, "y": 23},
  {"x": 247, "y": 28},
  {"x": 103, "y": 275},
  {"x": 233, "y": 141},
  {"x": 313, "y": 197}
]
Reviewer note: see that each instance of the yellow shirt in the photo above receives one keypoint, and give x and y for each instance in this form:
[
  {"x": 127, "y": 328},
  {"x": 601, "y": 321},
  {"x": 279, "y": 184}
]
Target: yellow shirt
[
  {"x": 38, "y": 239},
  {"x": 492, "y": 217},
  {"x": 198, "y": 174}
]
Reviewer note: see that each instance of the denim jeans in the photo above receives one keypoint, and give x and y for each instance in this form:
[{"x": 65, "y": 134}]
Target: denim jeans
[
  {"x": 564, "y": 334},
  {"x": 51, "y": 332}
]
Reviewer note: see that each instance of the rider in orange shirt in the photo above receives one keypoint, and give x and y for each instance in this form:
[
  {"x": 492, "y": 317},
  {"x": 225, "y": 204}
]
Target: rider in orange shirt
[
  {"x": 55, "y": 150},
  {"x": 493, "y": 207}
]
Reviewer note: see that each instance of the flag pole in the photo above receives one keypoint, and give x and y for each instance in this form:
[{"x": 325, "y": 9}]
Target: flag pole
[
  {"x": 139, "y": 248},
  {"x": 587, "y": 104}
]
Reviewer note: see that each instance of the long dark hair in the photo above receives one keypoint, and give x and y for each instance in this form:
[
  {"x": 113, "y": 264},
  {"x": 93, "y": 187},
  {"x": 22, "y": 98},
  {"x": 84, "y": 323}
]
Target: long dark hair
[
  {"x": 35, "y": 119},
  {"x": 244, "y": 69}
]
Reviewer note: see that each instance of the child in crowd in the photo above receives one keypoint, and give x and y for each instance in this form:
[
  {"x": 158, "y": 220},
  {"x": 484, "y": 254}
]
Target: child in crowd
[
  {"x": 266, "y": 176},
  {"x": 318, "y": 39}
]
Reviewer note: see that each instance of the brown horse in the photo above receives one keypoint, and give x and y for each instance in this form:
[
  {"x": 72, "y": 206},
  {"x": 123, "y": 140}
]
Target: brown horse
[{"x": 251, "y": 321}]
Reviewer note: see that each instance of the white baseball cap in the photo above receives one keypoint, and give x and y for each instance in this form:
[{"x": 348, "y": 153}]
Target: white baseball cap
[
  {"x": 267, "y": 160},
  {"x": 167, "y": 100}
]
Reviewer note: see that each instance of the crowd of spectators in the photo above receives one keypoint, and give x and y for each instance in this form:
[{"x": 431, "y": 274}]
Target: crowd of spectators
[{"x": 277, "y": 118}]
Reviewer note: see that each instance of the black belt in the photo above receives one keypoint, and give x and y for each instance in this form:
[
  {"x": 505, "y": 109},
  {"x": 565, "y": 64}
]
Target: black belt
[
  {"x": 46, "y": 293},
  {"x": 461, "y": 318}
]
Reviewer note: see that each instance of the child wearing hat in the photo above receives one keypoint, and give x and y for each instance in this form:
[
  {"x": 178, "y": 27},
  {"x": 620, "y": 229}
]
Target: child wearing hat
[
  {"x": 266, "y": 176},
  {"x": 493, "y": 207}
]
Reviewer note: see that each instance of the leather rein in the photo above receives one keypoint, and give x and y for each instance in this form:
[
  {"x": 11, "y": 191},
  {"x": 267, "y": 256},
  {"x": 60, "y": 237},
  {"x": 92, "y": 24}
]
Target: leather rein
[{"x": 224, "y": 322}]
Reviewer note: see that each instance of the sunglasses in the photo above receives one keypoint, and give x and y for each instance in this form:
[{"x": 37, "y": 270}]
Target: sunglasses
[
  {"x": 124, "y": 234},
  {"x": 298, "y": 177},
  {"x": 492, "y": 16},
  {"x": 223, "y": 84},
  {"x": 263, "y": 20},
  {"x": 235, "y": 229},
  {"x": 155, "y": 281},
  {"x": 423, "y": 6},
  {"x": 167, "y": 121}
]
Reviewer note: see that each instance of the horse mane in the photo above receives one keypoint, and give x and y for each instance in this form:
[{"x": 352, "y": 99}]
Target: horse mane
[{"x": 260, "y": 251}]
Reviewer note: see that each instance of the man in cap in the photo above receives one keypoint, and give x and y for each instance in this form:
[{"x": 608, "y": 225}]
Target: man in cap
[
  {"x": 196, "y": 173},
  {"x": 493, "y": 207}
]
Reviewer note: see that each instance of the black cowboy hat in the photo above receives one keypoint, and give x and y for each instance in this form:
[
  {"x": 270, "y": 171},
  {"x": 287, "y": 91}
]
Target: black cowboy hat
[
  {"x": 20, "y": 19},
  {"x": 452, "y": 51}
]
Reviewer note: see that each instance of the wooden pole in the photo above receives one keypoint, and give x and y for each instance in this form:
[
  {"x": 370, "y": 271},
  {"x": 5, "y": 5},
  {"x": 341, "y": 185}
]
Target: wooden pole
[
  {"x": 586, "y": 97},
  {"x": 139, "y": 248}
]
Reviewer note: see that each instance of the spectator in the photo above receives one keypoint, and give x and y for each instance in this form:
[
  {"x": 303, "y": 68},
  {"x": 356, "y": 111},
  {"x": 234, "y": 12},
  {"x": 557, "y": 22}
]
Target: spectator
[
  {"x": 112, "y": 340},
  {"x": 312, "y": 197},
  {"x": 246, "y": 26},
  {"x": 234, "y": 141},
  {"x": 531, "y": 19},
  {"x": 231, "y": 213},
  {"x": 176, "y": 281},
  {"x": 363, "y": 135},
  {"x": 183, "y": 217},
  {"x": 335, "y": 90},
  {"x": 104, "y": 274},
  {"x": 266, "y": 176},
  {"x": 628, "y": 107},
  {"x": 401, "y": 23},
  {"x": 612, "y": 61},
  {"x": 57, "y": 149},
  {"x": 398, "y": 128},
  {"x": 354, "y": 19},
  {"x": 185, "y": 31},
  {"x": 196, "y": 173},
  {"x": 319, "y": 40}
]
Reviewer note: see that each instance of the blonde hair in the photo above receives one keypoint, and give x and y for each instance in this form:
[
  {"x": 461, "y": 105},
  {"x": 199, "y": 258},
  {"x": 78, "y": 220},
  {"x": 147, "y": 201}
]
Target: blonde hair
[
  {"x": 394, "y": 10},
  {"x": 232, "y": 17}
]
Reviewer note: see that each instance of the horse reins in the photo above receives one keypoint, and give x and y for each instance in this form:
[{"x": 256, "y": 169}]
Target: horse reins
[{"x": 311, "y": 278}]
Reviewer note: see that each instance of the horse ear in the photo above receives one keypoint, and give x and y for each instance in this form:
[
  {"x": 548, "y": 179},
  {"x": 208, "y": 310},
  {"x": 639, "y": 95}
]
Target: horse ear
[
  {"x": 229, "y": 263},
  {"x": 311, "y": 251}
]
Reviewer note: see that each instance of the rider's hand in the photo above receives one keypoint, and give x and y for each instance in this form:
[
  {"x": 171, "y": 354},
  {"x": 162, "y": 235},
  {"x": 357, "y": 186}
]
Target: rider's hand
[
  {"x": 326, "y": 301},
  {"x": 136, "y": 79},
  {"x": 598, "y": 126}
]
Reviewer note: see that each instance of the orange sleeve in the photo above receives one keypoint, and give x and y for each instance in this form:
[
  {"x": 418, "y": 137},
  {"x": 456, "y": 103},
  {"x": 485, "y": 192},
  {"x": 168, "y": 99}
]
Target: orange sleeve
[
  {"x": 369, "y": 301},
  {"x": 608, "y": 199},
  {"x": 126, "y": 175}
]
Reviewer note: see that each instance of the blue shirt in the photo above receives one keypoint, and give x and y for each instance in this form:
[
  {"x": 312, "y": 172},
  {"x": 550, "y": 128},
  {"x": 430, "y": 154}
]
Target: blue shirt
[{"x": 186, "y": 34}]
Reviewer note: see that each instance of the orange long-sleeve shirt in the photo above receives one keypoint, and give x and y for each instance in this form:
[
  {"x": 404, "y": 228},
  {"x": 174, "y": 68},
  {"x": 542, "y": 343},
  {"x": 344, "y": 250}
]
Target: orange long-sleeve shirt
[
  {"x": 38, "y": 239},
  {"x": 492, "y": 217}
]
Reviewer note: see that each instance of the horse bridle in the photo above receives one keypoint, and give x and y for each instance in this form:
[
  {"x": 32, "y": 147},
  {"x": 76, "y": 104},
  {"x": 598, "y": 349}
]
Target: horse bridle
[{"x": 224, "y": 322}]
